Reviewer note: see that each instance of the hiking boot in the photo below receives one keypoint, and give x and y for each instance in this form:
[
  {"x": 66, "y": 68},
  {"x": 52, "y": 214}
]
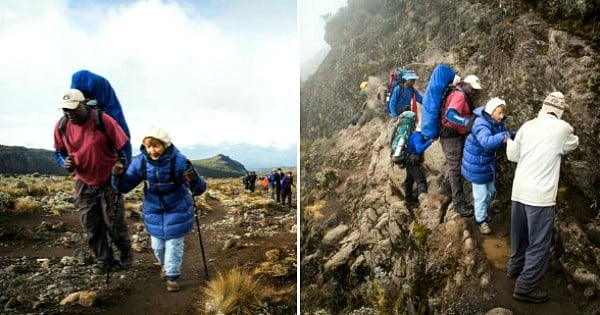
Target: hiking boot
[
  {"x": 535, "y": 296},
  {"x": 101, "y": 268},
  {"x": 172, "y": 286},
  {"x": 484, "y": 228},
  {"x": 163, "y": 274},
  {"x": 126, "y": 260},
  {"x": 445, "y": 190},
  {"x": 422, "y": 188},
  {"x": 464, "y": 211}
]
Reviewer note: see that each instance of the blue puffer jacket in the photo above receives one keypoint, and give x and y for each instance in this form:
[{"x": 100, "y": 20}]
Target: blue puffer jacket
[
  {"x": 479, "y": 153},
  {"x": 168, "y": 204}
]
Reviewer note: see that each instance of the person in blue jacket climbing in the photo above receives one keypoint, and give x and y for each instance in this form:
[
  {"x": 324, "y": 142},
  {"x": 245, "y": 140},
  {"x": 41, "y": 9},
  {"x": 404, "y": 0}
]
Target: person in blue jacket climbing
[
  {"x": 405, "y": 96},
  {"x": 479, "y": 156},
  {"x": 170, "y": 182}
]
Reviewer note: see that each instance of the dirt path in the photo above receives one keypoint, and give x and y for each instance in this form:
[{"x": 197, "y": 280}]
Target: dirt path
[
  {"x": 497, "y": 249},
  {"x": 143, "y": 292}
]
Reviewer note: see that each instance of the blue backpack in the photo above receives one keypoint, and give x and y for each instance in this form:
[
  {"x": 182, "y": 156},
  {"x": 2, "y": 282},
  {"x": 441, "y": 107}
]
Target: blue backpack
[
  {"x": 99, "y": 89},
  {"x": 440, "y": 84}
]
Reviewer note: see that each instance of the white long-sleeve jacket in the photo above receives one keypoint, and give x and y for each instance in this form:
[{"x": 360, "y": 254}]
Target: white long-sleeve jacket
[{"x": 538, "y": 147}]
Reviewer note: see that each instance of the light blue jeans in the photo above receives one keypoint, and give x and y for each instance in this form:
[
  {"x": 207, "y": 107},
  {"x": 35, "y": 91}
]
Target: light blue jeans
[
  {"x": 482, "y": 197},
  {"x": 169, "y": 254}
]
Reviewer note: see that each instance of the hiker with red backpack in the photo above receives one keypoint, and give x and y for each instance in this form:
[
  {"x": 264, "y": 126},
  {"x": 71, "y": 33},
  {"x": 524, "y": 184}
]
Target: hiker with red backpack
[
  {"x": 90, "y": 153},
  {"x": 405, "y": 96},
  {"x": 456, "y": 115}
]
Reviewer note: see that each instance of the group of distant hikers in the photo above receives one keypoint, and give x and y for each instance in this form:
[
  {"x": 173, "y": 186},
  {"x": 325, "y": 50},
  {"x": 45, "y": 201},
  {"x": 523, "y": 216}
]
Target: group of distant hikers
[
  {"x": 92, "y": 141},
  {"x": 469, "y": 137},
  {"x": 278, "y": 183}
]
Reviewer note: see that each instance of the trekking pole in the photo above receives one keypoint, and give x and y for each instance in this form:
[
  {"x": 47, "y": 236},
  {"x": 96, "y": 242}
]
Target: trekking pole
[
  {"x": 200, "y": 238},
  {"x": 113, "y": 232}
]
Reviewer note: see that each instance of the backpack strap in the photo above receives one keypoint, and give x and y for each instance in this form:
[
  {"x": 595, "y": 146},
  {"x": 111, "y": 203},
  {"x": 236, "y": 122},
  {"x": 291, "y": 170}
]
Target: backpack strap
[
  {"x": 62, "y": 124},
  {"x": 172, "y": 170},
  {"x": 173, "y": 177}
]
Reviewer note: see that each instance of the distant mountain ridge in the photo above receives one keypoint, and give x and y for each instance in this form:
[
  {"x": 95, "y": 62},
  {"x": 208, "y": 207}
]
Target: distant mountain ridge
[
  {"x": 219, "y": 166},
  {"x": 22, "y": 160}
]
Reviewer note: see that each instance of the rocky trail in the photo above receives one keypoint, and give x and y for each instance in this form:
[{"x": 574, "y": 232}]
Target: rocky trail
[
  {"x": 44, "y": 258},
  {"x": 380, "y": 256}
]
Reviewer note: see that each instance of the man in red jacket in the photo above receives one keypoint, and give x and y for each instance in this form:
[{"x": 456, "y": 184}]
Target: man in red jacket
[
  {"x": 457, "y": 114},
  {"x": 90, "y": 153}
]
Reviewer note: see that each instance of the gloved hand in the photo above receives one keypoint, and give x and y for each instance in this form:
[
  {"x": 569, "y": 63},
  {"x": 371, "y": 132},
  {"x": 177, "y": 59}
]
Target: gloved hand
[
  {"x": 189, "y": 175},
  {"x": 69, "y": 164},
  {"x": 118, "y": 169}
]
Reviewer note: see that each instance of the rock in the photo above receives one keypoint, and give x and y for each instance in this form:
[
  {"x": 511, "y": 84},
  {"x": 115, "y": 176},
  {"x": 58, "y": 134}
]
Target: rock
[
  {"x": 230, "y": 243},
  {"x": 335, "y": 234},
  {"x": 272, "y": 255},
  {"x": 584, "y": 276},
  {"x": 12, "y": 302},
  {"x": 340, "y": 257},
  {"x": 87, "y": 298},
  {"x": 499, "y": 311},
  {"x": 70, "y": 299}
]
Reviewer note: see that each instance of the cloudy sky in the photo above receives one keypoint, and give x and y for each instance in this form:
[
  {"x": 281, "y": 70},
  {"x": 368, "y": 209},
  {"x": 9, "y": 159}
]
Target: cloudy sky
[
  {"x": 312, "y": 26},
  {"x": 210, "y": 72}
]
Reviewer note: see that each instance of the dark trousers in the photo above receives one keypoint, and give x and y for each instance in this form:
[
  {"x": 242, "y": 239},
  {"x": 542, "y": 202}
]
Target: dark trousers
[
  {"x": 530, "y": 241},
  {"x": 96, "y": 215},
  {"x": 286, "y": 194},
  {"x": 414, "y": 174},
  {"x": 453, "y": 149},
  {"x": 278, "y": 192}
]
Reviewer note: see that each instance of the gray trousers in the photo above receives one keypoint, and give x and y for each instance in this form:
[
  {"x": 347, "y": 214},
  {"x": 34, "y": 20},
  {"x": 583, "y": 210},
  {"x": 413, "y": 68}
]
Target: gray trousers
[
  {"x": 453, "y": 150},
  {"x": 95, "y": 209},
  {"x": 530, "y": 240}
]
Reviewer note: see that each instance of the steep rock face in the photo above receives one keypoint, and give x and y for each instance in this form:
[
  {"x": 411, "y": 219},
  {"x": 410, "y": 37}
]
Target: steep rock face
[
  {"x": 518, "y": 54},
  {"x": 360, "y": 245}
]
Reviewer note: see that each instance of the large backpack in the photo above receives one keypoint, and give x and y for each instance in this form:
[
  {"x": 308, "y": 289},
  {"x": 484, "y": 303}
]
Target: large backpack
[
  {"x": 395, "y": 79},
  {"x": 97, "y": 88},
  {"x": 401, "y": 130},
  {"x": 440, "y": 85}
]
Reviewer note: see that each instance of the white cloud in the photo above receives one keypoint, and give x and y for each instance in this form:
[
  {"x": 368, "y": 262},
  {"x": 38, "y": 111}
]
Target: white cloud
[{"x": 169, "y": 64}]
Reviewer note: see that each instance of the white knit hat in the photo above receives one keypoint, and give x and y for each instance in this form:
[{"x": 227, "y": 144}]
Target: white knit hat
[
  {"x": 158, "y": 133},
  {"x": 554, "y": 103},
  {"x": 493, "y": 103}
]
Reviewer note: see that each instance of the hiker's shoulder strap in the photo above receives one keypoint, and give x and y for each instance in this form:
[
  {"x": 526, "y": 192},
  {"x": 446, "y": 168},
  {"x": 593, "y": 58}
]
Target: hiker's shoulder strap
[
  {"x": 62, "y": 124},
  {"x": 99, "y": 120},
  {"x": 172, "y": 169},
  {"x": 143, "y": 166}
]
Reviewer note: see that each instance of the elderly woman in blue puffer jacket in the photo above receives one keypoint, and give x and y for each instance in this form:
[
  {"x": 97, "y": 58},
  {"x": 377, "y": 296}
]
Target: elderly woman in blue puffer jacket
[
  {"x": 170, "y": 182},
  {"x": 479, "y": 156}
]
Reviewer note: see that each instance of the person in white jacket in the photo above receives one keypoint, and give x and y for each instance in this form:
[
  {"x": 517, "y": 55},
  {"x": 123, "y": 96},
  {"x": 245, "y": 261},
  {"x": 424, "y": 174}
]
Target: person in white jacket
[{"x": 537, "y": 148}]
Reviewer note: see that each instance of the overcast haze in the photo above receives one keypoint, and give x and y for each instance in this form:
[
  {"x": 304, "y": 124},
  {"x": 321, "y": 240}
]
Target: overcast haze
[
  {"x": 312, "y": 25},
  {"x": 209, "y": 72}
]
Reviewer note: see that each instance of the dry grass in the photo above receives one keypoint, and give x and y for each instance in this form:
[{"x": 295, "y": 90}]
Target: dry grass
[
  {"x": 314, "y": 211},
  {"x": 24, "y": 204},
  {"x": 235, "y": 292}
]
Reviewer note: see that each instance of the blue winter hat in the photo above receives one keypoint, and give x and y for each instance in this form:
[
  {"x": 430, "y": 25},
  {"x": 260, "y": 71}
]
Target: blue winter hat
[{"x": 410, "y": 75}]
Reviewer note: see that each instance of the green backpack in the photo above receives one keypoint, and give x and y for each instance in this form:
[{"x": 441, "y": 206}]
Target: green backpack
[{"x": 401, "y": 130}]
